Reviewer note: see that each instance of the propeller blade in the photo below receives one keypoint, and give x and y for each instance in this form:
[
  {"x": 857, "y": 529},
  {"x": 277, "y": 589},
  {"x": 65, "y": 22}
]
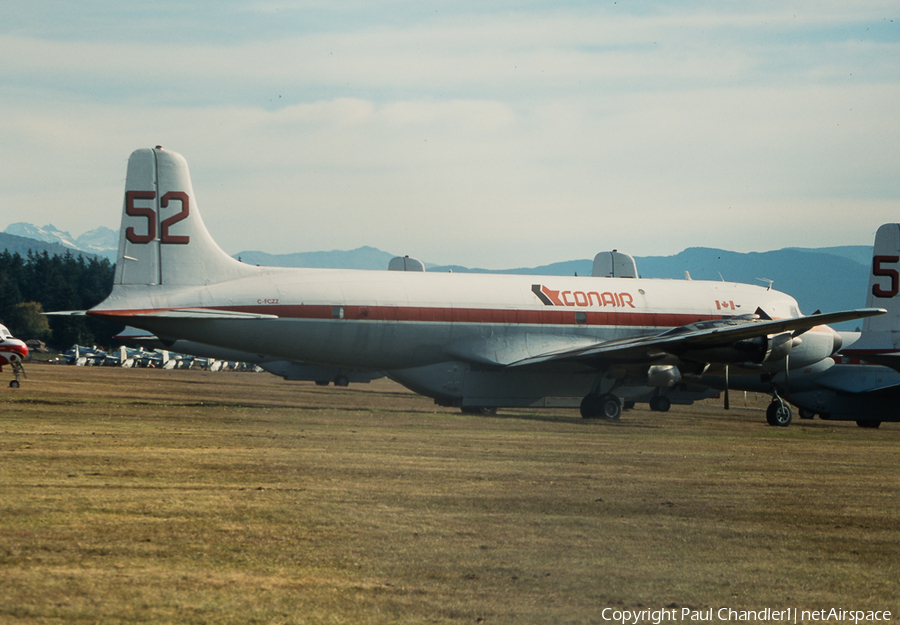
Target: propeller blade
[
  {"x": 727, "y": 402},
  {"x": 787, "y": 376}
]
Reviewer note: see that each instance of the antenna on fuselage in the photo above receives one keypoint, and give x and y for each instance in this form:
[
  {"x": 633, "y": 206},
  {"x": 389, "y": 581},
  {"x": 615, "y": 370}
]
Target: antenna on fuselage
[{"x": 769, "y": 282}]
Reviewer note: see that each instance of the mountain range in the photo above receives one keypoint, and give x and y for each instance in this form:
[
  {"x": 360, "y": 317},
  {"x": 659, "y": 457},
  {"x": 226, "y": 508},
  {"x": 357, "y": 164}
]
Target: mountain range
[
  {"x": 99, "y": 241},
  {"x": 827, "y": 279}
]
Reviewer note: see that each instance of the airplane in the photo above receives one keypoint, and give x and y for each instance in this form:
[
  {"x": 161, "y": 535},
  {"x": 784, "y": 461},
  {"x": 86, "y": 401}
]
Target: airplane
[
  {"x": 841, "y": 387},
  {"x": 82, "y": 356},
  {"x": 12, "y": 352},
  {"x": 475, "y": 341}
]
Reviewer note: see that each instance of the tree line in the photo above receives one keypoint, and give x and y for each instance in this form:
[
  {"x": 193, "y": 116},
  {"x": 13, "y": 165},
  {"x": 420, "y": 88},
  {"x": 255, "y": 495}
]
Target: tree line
[{"x": 40, "y": 282}]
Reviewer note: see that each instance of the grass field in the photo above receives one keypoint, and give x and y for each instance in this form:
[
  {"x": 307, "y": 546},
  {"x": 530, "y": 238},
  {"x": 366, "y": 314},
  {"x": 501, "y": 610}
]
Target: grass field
[{"x": 148, "y": 496}]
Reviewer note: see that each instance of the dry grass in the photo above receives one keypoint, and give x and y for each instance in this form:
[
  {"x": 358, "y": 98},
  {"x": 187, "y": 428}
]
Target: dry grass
[{"x": 136, "y": 496}]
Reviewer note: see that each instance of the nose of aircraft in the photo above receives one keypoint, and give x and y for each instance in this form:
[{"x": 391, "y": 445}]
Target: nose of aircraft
[{"x": 15, "y": 349}]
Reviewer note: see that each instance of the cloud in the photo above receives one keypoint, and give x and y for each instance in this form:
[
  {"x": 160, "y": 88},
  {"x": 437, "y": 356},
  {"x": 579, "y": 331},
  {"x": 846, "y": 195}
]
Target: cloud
[{"x": 524, "y": 134}]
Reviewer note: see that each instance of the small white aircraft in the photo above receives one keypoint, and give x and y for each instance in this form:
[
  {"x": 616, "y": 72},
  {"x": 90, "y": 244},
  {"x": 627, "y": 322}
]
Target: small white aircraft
[
  {"x": 477, "y": 341},
  {"x": 12, "y": 352}
]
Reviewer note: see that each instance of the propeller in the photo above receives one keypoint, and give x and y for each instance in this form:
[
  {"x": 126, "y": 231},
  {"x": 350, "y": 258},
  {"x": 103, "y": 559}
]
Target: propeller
[
  {"x": 727, "y": 403},
  {"x": 787, "y": 376}
]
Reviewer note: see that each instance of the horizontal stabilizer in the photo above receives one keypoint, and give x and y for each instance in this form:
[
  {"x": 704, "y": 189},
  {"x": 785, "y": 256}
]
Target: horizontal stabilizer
[{"x": 184, "y": 313}]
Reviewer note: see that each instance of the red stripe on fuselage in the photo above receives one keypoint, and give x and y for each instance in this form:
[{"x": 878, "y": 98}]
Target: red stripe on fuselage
[{"x": 548, "y": 316}]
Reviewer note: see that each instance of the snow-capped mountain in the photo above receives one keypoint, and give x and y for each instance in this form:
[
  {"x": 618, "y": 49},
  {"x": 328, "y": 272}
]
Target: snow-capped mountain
[
  {"x": 48, "y": 233},
  {"x": 101, "y": 241}
]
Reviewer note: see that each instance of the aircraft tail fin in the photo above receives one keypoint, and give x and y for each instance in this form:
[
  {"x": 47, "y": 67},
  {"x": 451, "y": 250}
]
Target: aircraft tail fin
[
  {"x": 884, "y": 281},
  {"x": 163, "y": 240},
  {"x": 879, "y": 341}
]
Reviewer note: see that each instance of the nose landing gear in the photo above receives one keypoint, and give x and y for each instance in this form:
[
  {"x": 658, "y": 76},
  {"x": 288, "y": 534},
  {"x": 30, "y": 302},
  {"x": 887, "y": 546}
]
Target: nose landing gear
[
  {"x": 18, "y": 370},
  {"x": 779, "y": 412}
]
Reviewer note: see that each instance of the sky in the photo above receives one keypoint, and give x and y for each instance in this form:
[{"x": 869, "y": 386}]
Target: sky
[{"x": 488, "y": 134}]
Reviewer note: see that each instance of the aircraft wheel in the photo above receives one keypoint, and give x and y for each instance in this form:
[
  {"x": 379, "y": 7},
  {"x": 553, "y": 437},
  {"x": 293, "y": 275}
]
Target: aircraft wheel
[
  {"x": 868, "y": 424},
  {"x": 610, "y": 407},
  {"x": 14, "y": 384},
  {"x": 485, "y": 411},
  {"x": 590, "y": 406},
  {"x": 660, "y": 403},
  {"x": 779, "y": 414},
  {"x": 342, "y": 380},
  {"x": 322, "y": 382},
  {"x": 805, "y": 413},
  {"x": 607, "y": 407}
]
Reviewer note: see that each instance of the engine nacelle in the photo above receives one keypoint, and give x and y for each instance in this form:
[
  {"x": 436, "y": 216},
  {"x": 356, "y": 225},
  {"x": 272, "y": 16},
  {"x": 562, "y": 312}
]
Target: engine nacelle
[
  {"x": 769, "y": 352},
  {"x": 755, "y": 351},
  {"x": 818, "y": 344},
  {"x": 663, "y": 376}
]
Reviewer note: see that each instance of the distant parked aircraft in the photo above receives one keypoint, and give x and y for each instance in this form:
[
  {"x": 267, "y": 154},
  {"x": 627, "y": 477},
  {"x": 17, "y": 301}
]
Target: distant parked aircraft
[
  {"x": 12, "y": 352},
  {"x": 469, "y": 340},
  {"x": 289, "y": 370}
]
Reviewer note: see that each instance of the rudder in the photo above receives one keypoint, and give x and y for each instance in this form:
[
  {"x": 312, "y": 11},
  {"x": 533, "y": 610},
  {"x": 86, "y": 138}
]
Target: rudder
[{"x": 163, "y": 240}]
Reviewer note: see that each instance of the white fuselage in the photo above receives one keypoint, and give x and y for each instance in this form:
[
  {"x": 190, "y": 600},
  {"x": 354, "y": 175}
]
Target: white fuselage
[{"x": 388, "y": 319}]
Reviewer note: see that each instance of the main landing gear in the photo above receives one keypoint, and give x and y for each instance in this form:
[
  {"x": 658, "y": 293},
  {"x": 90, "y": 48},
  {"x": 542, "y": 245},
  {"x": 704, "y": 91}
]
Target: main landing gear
[
  {"x": 482, "y": 411},
  {"x": 340, "y": 380},
  {"x": 606, "y": 406}
]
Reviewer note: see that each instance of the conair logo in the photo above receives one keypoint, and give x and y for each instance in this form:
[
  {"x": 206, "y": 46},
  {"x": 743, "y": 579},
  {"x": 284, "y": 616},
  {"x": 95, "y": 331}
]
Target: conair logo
[{"x": 581, "y": 298}]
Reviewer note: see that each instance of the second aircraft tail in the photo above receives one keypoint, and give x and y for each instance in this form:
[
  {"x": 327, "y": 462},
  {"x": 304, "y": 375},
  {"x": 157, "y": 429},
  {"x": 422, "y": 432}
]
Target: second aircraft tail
[
  {"x": 884, "y": 281},
  {"x": 879, "y": 341}
]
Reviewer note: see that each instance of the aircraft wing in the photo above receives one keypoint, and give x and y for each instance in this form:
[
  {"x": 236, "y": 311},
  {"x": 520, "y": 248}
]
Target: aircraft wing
[
  {"x": 205, "y": 313},
  {"x": 698, "y": 336},
  {"x": 860, "y": 380},
  {"x": 504, "y": 351},
  {"x": 855, "y": 387}
]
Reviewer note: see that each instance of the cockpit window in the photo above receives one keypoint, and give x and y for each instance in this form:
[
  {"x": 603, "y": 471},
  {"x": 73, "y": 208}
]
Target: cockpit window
[{"x": 4, "y": 333}]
